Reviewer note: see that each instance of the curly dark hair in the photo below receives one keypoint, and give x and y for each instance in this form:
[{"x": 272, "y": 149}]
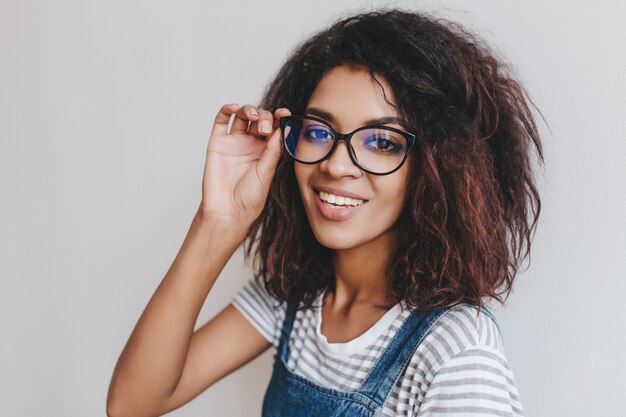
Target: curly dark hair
[{"x": 471, "y": 205}]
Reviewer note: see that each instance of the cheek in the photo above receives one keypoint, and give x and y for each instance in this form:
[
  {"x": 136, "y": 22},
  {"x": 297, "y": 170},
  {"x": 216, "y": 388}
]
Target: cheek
[
  {"x": 395, "y": 203},
  {"x": 302, "y": 174},
  {"x": 394, "y": 191}
]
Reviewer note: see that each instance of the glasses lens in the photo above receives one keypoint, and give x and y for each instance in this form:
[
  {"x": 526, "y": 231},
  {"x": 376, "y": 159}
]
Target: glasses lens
[
  {"x": 379, "y": 150},
  {"x": 308, "y": 140}
]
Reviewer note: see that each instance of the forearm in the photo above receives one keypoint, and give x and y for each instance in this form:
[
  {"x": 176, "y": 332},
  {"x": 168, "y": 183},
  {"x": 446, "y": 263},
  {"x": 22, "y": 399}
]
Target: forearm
[{"x": 152, "y": 362}]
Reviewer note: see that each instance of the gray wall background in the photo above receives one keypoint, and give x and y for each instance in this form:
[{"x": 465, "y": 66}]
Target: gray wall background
[{"x": 105, "y": 111}]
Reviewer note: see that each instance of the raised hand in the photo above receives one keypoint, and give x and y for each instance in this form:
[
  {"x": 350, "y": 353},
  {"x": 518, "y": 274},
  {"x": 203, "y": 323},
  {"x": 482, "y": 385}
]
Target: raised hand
[{"x": 240, "y": 164}]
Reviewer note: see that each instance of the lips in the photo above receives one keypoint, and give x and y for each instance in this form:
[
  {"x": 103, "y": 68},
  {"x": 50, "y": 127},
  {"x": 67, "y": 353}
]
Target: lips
[
  {"x": 337, "y": 213},
  {"x": 338, "y": 192}
]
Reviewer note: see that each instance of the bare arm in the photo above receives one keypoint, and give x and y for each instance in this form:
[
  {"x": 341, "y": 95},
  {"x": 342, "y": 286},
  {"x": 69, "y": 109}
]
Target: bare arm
[{"x": 164, "y": 363}]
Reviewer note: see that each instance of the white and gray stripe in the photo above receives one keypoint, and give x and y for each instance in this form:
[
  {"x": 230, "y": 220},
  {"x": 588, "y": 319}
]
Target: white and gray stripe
[{"x": 459, "y": 369}]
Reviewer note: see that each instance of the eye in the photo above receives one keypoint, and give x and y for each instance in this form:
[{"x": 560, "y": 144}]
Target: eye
[
  {"x": 317, "y": 133},
  {"x": 383, "y": 143}
]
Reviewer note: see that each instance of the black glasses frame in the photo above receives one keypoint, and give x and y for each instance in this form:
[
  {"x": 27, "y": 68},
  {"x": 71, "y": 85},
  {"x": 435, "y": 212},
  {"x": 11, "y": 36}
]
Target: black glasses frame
[{"x": 410, "y": 138}]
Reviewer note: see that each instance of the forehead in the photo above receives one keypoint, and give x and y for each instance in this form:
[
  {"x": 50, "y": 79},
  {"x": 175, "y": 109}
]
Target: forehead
[{"x": 352, "y": 97}]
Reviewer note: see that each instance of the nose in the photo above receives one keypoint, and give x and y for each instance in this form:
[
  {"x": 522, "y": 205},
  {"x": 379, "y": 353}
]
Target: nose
[{"x": 339, "y": 163}]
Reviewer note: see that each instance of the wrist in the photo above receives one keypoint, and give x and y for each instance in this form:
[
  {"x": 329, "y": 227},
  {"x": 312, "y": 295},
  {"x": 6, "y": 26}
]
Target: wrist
[{"x": 223, "y": 225}]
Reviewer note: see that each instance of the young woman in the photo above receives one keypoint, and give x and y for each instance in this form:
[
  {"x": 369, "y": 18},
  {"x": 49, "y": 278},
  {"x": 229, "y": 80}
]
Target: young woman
[{"x": 384, "y": 187}]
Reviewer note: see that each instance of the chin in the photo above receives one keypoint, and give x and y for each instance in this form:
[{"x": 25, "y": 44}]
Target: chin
[
  {"x": 336, "y": 244},
  {"x": 336, "y": 240}
]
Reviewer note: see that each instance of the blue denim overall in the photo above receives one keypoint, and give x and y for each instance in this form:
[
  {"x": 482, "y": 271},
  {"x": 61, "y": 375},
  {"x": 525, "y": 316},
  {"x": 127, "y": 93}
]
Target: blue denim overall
[{"x": 291, "y": 395}]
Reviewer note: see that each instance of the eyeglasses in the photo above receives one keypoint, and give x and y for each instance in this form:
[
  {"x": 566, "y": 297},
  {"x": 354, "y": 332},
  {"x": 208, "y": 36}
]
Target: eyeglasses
[{"x": 376, "y": 149}]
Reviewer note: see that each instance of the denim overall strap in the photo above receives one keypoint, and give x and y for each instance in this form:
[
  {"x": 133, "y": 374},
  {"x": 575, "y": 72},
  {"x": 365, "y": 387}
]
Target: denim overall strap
[
  {"x": 292, "y": 395},
  {"x": 490, "y": 315},
  {"x": 395, "y": 358}
]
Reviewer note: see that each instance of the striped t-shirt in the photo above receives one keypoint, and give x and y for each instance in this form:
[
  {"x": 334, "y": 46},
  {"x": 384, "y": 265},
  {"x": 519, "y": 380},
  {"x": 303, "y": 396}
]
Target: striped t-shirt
[{"x": 459, "y": 369}]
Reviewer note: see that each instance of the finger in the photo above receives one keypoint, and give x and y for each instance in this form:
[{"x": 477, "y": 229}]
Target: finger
[
  {"x": 280, "y": 112},
  {"x": 263, "y": 126},
  {"x": 220, "y": 126},
  {"x": 243, "y": 116},
  {"x": 269, "y": 158},
  {"x": 275, "y": 121}
]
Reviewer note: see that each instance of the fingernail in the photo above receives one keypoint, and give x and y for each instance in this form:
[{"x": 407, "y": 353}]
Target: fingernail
[
  {"x": 254, "y": 112},
  {"x": 265, "y": 126}
]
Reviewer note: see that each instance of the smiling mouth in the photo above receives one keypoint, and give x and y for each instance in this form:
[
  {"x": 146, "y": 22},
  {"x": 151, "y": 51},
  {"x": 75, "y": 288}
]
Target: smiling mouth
[{"x": 339, "y": 201}]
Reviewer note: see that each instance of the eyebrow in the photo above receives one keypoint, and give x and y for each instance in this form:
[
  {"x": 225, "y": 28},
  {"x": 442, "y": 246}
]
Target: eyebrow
[{"x": 379, "y": 121}]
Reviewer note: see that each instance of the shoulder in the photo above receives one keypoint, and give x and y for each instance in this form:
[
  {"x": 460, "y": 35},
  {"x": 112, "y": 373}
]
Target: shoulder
[
  {"x": 262, "y": 310},
  {"x": 463, "y": 334},
  {"x": 462, "y": 327},
  {"x": 466, "y": 366}
]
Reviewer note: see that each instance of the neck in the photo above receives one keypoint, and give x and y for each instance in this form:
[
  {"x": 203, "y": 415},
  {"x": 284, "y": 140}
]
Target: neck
[{"x": 360, "y": 275}]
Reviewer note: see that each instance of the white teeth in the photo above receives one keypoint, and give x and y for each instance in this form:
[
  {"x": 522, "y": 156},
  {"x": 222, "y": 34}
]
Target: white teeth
[{"x": 339, "y": 200}]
